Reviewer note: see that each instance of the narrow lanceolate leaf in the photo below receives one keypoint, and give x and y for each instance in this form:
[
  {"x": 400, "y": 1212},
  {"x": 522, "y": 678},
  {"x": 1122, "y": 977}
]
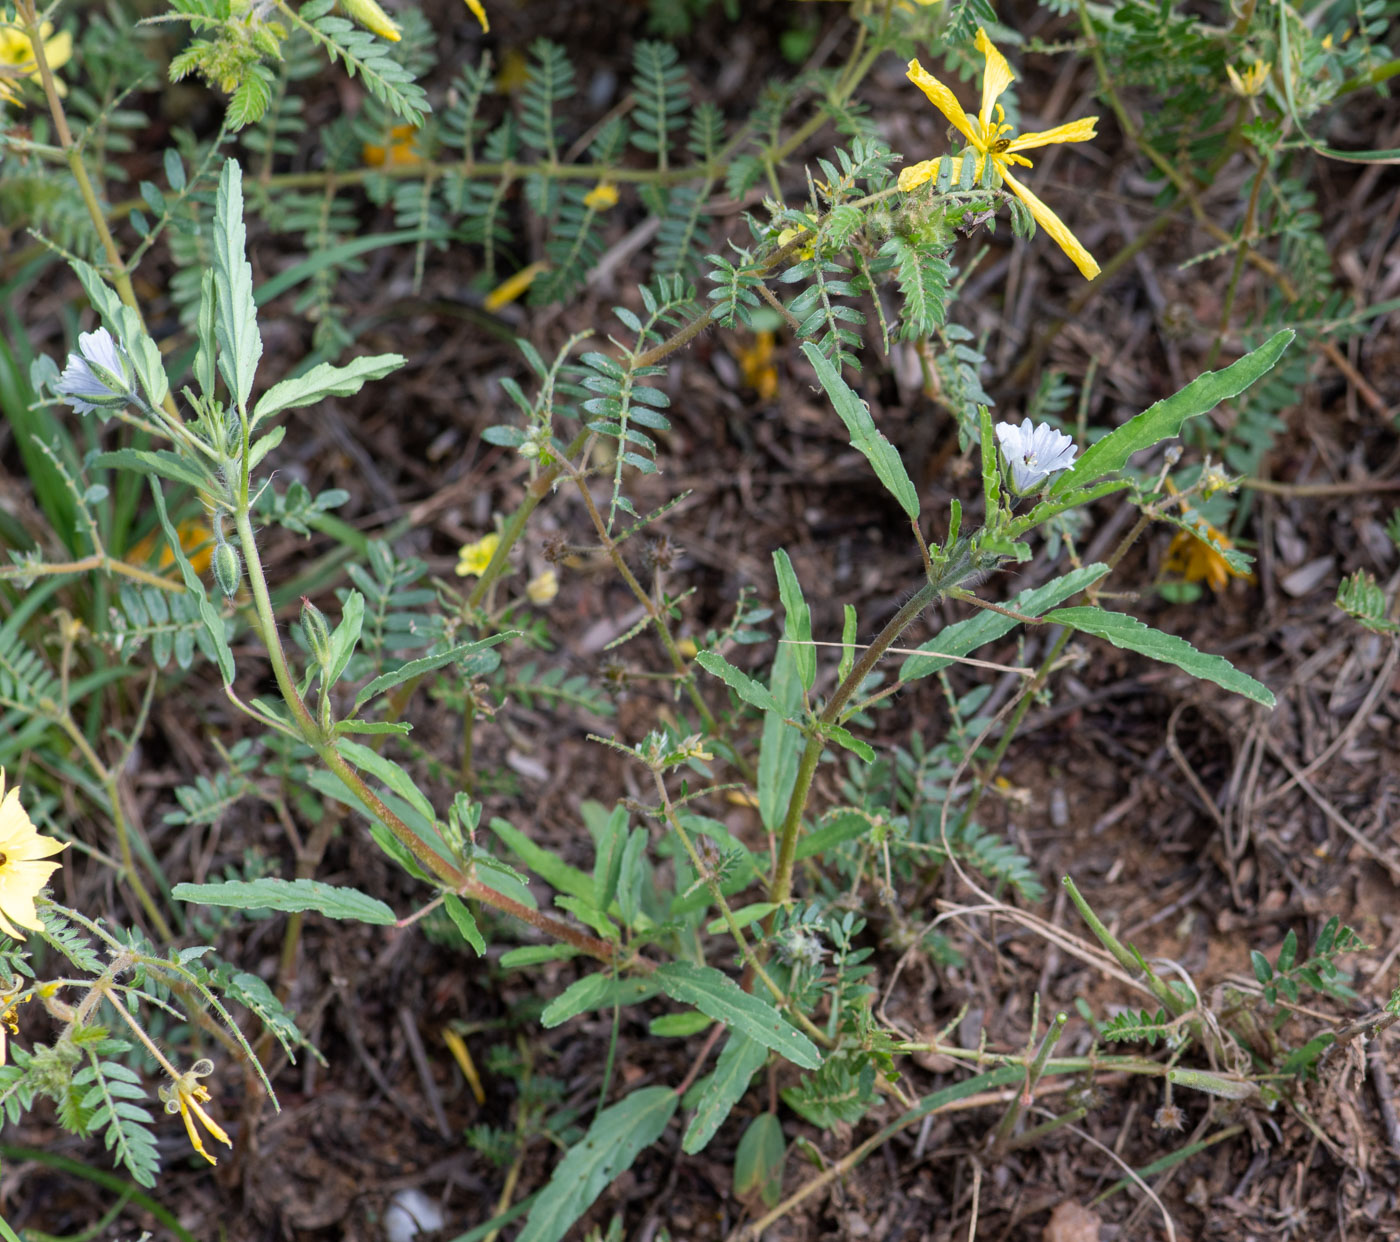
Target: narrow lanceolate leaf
[
  {"x": 1163, "y": 420},
  {"x": 614, "y": 1140},
  {"x": 966, "y": 636},
  {"x": 778, "y": 751},
  {"x": 291, "y": 896},
  {"x": 866, "y": 438},
  {"x": 739, "y": 1060},
  {"x": 599, "y": 991},
  {"x": 325, "y": 380},
  {"x": 797, "y": 619},
  {"x": 718, "y": 996},
  {"x": 471, "y": 659},
  {"x": 236, "y": 320},
  {"x": 740, "y": 682},
  {"x": 1131, "y": 634}
]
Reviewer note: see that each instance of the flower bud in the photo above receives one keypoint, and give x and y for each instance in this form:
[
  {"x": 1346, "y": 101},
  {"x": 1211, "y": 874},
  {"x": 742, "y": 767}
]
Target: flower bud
[
  {"x": 228, "y": 568},
  {"x": 372, "y": 17},
  {"x": 318, "y": 633}
]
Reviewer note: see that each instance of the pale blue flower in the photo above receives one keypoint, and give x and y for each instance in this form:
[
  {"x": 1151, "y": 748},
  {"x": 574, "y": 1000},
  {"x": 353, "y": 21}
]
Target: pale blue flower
[
  {"x": 98, "y": 377},
  {"x": 1034, "y": 452}
]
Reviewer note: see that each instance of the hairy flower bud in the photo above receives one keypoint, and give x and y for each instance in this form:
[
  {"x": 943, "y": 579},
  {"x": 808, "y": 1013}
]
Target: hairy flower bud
[
  {"x": 228, "y": 567},
  {"x": 318, "y": 632}
]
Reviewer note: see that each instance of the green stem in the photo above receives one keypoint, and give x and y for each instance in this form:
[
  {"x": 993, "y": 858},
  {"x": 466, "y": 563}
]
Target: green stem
[{"x": 1022, "y": 1099}]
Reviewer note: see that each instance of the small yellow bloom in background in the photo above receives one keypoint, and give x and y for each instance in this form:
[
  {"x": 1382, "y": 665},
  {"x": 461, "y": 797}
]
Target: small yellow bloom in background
[
  {"x": 542, "y": 588},
  {"x": 602, "y": 197},
  {"x": 687, "y": 648},
  {"x": 196, "y": 539},
  {"x": 475, "y": 557},
  {"x": 17, "y": 58},
  {"x": 184, "y": 1096},
  {"x": 1252, "y": 80},
  {"x": 1199, "y": 557},
  {"x": 402, "y": 148},
  {"x": 479, "y": 13},
  {"x": 372, "y": 17},
  {"x": 22, "y": 874},
  {"x": 988, "y": 137},
  {"x": 508, "y": 290},
  {"x": 513, "y": 73},
  {"x": 759, "y": 370}
]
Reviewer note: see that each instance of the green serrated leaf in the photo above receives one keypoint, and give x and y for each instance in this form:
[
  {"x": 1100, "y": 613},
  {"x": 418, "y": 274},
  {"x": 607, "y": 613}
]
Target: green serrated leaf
[
  {"x": 739, "y": 1060},
  {"x": 797, "y": 619},
  {"x": 235, "y": 316},
  {"x": 324, "y": 380},
  {"x": 725, "y": 1001},
  {"x": 866, "y": 438},
  {"x": 1130, "y": 634},
  {"x": 740, "y": 682},
  {"x": 597, "y": 991},
  {"x": 552, "y": 869},
  {"x": 614, "y": 1140},
  {"x": 1164, "y": 420},
  {"x": 464, "y": 922},
  {"x": 290, "y": 896}
]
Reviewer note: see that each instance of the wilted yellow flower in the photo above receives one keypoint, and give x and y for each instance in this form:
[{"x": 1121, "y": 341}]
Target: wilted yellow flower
[
  {"x": 988, "y": 138},
  {"x": 22, "y": 874},
  {"x": 760, "y": 371},
  {"x": 475, "y": 557},
  {"x": 184, "y": 1096},
  {"x": 508, "y": 290},
  {"x": 17, "y": 58},
  {"x": 542, "y": 588},
  {"x": 1200, "y": 557},
  {"x": 601, "y": 197},
  {"x": 1252, "y": 81},
  {"x": 372, "y": 17},
  {"x": 196, "y": 539},
  {"x": 402, "y": 148},
  {"x": 480, "y": 14}
]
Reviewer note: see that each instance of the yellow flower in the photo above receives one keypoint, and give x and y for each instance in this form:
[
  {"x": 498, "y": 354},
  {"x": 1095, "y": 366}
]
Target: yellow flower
[
  {"x": 22, "y": 875},
  {"x": 760, "y": 372},
  {"x": 184, "y": 1096},
  {"x": 988, "y": 137},
  {"x": 1199, "y": 557},
  {"x": 9, "y": 1019},
  {"x": 513, "y": 73},
  {"x": 17, "y": 58},
  {"x": 196, "y": 539},
  {"x": 372, "y": 17},
  {"x": 542, "y": 588},
  {"x": 402, "y": 148},
  {"x": 1252, "y": 81},
  {"x": 475, "y": 557},
  {"x": 601, "y": 197},
  {"x": 787, "y": 235},
  {"x": 480, "y": 14},
  {"x": 508, "y": 290}
]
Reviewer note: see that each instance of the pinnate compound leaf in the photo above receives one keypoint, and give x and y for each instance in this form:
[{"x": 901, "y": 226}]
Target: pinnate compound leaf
[
  {"x": 614, "y": 1140},
  {"x": 739, "y": 1060},
  {"x": 290, "y": 896},
  {"x": 324, "y": 380},
  {"x": 1163, "y": 420},
  {"x": 1130, "y": 634},
  {"x": 717, "y": 995},
  {"x": 866, "y": 438}
]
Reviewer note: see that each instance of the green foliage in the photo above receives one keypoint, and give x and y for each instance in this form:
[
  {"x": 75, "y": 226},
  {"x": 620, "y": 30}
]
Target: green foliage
[
  {"x": 1364, "y": 602},
  {"x": 1286, "y": 975}
]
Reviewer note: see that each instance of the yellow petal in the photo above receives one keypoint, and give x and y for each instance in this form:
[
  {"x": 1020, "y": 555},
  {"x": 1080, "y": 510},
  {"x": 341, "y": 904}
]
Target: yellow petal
[
  {"x": 507, "y": 291},
  {"x": 1072, "y": 131},
  {"x": 601, "y": 197},
  {"x": 480, "y": 14},
  {"x": 995, "y": 78},
  {"x": 917, "y": 174},
  {"x": 943, "y": 99},
  {"x": 1056, "y": 227},
  {"x": 372, "y": 17},
  {"x": 59, "y": 49}
]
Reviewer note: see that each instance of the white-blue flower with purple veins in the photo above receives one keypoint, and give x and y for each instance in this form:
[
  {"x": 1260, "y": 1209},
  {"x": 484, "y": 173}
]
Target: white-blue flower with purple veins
[
  {"x": 98, "y": 377},
  {"x": 1034, "y": 452}
]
